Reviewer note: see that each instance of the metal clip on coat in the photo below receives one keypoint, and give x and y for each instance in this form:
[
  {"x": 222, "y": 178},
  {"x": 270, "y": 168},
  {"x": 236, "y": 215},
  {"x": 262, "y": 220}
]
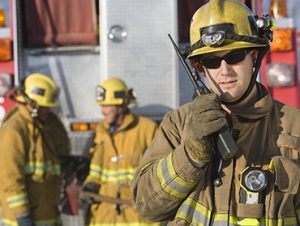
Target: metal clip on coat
[{"x": 226, "y": 144}]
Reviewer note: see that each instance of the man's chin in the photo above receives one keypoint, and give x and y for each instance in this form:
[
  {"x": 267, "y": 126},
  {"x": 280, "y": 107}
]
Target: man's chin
[{"x": 227, "y": 97}]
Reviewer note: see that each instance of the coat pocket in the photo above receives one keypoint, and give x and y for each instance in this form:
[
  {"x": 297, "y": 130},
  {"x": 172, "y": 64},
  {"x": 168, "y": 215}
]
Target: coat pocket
[{"x": 280, "y": 199}]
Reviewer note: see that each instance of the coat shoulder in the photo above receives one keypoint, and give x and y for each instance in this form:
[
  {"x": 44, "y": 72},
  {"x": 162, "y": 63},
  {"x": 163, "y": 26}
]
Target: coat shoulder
[{"x": 289, "y": 119}]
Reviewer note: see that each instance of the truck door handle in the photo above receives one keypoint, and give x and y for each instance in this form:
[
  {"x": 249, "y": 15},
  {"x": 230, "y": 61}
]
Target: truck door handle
[{"x": 117, "y": 33}]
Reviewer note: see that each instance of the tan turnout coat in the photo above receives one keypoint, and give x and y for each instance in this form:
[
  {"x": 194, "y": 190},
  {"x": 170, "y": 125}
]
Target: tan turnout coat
[
  {"x": 168, "y": 187},
  {"x": 114, "y": 161},
  {"x": 30, "y": 176}
]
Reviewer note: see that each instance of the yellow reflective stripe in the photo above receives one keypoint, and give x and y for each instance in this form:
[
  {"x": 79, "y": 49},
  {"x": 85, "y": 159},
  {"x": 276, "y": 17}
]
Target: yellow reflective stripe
[
  {"x": 298, "y": 214},
  {"x": 41, "y": 168},
  {"x": 287, "y": 221},
  {"x": 127, "y": 224},
  {"x": 7, "y": 222},
  {"x": 196, "y": 214},
  {"x": 249, "y": 222},
  {"x": 193, "y": 212},
  {"x": 170, "y": 181},
  {"x": 108, "y": 171},
  {"x": 49, "y": 222},
  {"x": 105, "y": 175},
  {"x": 17, "y": 200}
]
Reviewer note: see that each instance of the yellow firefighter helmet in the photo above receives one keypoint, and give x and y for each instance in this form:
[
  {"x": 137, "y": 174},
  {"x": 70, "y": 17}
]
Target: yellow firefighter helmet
[
  {"x": 114, "y": 91},
  {"x": 38, "y": 89},
  {"x": 225, "y": 25}
]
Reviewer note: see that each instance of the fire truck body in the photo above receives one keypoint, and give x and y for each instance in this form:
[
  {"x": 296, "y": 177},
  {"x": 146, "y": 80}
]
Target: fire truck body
[
  {"x": 130, "y": 42},
  {"x": 280, "y": 68}
]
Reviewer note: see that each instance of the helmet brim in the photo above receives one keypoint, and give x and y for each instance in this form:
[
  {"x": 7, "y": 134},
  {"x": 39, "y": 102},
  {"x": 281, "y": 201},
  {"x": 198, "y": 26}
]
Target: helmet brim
[{"x": 231, "y": 46}]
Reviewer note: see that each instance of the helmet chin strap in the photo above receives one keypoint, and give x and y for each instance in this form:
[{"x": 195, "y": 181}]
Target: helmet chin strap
[{"x": 257, "y": 65}]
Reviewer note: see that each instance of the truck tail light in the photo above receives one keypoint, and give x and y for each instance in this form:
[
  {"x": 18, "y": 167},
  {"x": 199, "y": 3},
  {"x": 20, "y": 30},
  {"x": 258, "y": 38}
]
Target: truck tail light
[
  {"x": 5, "y": 49},
  {"x": 5, "y": 83},
  {"x": 2, "y": 18},
  {"x": 83, "y": 126},
  {"x": 280, "y": 75},
  {"x": 282, "y": 40}
]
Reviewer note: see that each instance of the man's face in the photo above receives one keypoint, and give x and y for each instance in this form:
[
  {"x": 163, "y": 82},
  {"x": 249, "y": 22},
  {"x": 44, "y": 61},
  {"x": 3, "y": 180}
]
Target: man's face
[
  {"x": 230, "y": 81},
  {"x": 43, "y": 113},
  {"x": 111, "y": 113}
]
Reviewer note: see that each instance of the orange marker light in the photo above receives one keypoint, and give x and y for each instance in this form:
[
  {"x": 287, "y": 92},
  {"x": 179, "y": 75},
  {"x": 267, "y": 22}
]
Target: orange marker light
[
  {"x": 5, "y": 49},
  {"x": 282, "y": 40},
  {"x": 2, "y": 18}
]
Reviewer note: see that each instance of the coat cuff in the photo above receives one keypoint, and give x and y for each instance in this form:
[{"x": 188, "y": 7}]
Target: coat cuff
[{"x": 185, "y": 167}]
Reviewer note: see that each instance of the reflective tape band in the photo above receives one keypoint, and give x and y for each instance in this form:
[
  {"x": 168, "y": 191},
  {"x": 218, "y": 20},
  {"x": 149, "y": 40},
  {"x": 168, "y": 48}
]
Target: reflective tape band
[
  {"x": 41, "y": 168},
  {"x": 126, "y": 224},
  {"x": 105, "y": 175},
  {"x": 49, "y": 222},
  {"x": 195, "y": 213},
  {"x": 170, "y": 181},
  {"x": 298, "y": 214},
  {"x": 17, "y": 200},
  {"x": 7, "y": 222}
]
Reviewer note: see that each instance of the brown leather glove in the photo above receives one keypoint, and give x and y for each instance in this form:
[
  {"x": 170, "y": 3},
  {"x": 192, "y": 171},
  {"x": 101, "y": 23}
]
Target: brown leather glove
[{"x": 206, "y": 118}]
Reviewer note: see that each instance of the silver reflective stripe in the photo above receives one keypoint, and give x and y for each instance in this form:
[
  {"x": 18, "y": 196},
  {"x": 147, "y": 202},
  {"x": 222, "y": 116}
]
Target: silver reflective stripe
[{"x": 170, "y": 181}]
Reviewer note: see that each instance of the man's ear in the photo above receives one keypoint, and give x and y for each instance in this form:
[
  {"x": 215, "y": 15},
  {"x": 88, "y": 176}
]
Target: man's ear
[{"x": 197, "y": 65}]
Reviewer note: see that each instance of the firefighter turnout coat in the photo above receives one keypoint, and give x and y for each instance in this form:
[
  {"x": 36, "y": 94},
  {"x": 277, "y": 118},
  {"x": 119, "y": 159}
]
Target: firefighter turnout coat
[
  {"x": 114, "y": 160},
  {"x": 30, "y": 180},
  {"x": 168, "y": 187}
]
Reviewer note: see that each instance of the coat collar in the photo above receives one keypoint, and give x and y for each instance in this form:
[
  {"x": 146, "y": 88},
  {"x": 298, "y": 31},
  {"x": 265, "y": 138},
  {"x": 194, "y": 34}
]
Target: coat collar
[
  {"x": 128, "y": 121},
  {"x": 25, "y": 113},
  {"x": 261, "y": 107}
]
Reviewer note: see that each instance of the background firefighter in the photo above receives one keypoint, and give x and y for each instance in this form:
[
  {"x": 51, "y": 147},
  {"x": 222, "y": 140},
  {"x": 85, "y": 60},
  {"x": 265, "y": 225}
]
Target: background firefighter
[
  {"x": 182, "y": 169},
  {"x": 32, "y": 139},
  {"x": 120, "y": 141}
]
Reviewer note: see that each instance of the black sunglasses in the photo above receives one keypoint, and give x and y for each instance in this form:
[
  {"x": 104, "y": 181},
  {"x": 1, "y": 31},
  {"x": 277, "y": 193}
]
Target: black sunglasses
[{"x": 232, "y": 57}]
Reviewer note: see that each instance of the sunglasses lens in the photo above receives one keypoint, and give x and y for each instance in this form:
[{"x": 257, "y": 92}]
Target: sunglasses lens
[
  {"x": 233, "y": 57},
  {"x": 211, "y": 62}
]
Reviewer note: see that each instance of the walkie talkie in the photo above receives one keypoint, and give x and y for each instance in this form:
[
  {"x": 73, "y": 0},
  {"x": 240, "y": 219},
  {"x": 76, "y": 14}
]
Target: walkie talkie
[{"x": 225, "y": 143}]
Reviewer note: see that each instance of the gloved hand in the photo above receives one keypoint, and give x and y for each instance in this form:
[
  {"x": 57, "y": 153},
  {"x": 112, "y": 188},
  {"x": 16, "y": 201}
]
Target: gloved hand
[
  {"x": 206, "y": 118},
  {"x": 25, "y": 221},
  {"x": 90, "y": 187}
]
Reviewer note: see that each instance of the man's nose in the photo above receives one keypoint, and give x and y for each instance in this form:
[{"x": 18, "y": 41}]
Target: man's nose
[{"x": 225, "y": 67}]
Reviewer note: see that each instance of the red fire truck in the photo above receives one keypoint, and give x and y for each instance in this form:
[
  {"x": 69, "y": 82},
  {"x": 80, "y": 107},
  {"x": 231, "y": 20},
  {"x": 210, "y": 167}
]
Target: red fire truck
[
  {"x": 6, "y": 56},
  {"x": 280, "y": 68}
]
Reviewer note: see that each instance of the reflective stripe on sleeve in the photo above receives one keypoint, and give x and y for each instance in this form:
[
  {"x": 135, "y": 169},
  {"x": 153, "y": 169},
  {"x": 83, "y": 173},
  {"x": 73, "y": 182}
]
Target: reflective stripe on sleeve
[
  {"x": 170, "y": 181},
  {"x": 17, "y": 200}
]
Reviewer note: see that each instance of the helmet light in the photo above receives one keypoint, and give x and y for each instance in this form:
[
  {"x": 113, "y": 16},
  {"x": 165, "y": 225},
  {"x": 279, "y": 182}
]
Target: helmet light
[
  {"x": 100, "y": 93},
  {"x": 214, "y": 39}
]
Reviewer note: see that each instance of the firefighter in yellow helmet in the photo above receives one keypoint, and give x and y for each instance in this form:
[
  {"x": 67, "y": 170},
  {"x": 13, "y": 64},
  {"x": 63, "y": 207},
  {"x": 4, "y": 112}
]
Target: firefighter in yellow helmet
[
  {"x": 32, "y": 139},
  {"x": 121, "y": 139},
  {"x": 185, "y": 177}
]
